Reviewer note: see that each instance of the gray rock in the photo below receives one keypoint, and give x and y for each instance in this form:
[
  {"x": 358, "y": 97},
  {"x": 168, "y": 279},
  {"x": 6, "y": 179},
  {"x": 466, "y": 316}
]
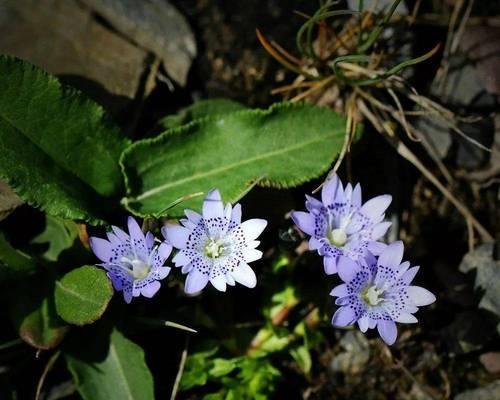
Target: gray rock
[
  {"x": 488, "y": 392},
  {"x": 154, "y": 25},
  {"x": 355, "y": 355}
]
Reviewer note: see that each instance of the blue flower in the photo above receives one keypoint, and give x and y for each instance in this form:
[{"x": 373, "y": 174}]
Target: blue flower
[
  {"x": 377, "y": 293},
  {"x": 133, "y": 262},
  {"x": 216, "y": 246},
  {"x": 340, "y": 225}
]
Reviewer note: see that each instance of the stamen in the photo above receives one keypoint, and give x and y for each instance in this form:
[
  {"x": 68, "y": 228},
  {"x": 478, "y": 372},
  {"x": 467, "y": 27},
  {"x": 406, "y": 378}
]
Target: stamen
[
  {"x": 337, "y": 237},
  {"x": 372, "y": 295},
  {"x": 138, "y": 268},
  {"x": 214, "y": 249}
]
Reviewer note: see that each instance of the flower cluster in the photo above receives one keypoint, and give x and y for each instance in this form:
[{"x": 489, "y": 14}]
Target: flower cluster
[
  {"x": 214, "y": 247},
  {"x": 376, "y": 290}
]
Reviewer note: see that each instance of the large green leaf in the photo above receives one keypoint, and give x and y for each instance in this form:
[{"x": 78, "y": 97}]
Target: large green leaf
[
  {"x": 118, "y": 372},
  {"x": 280, "y": 147},
  {"x": 58, "y": 149},
  {"x": 201, "y": 109},
  {"x": 82, "y": 295}
]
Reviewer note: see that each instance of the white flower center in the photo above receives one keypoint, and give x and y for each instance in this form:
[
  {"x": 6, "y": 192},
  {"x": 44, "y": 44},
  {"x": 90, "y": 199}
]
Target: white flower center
[
  {"x": 337, "y": 237},
  {"x": 372, "y": 295},
  {"x": 214, "y": 248},
  {"x": 138, "y": 268}
]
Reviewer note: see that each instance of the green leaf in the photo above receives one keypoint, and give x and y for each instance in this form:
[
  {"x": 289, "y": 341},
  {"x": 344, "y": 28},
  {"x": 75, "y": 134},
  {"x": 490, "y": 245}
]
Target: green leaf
[
  {"x": 281, "y": 147},
  {"x": 59, "y": 150},
  {"x": 258, "y": 377},
  {"x": 196, "y": 369},
  {"x": 31, "y": 306},
  {"x": 222, "y": 366},
  {"x": 14, "y": 264},
  {"x": 115, "y": 372},
  {"x": 201, "y": 109},
  {"x": 82, "y": 295},
  {"x": 303, "y": 358},
  {"x": 59, "y": 234}
]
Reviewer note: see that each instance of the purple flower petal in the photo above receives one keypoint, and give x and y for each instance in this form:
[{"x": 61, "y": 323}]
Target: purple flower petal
[
  {"x": 161, "y": 273},
  {"x": 312, "y": 204},
  {"x": 230, "y": 280},
  {"x": 181, "y": 259},
  {"x": 135, "y": 230},
  {"x": 305, "y": 221},
  {"x": 212, "y": 205},
  {"x": 406, "y": 318},
  {"x": 347, "y": 268},
  {"x": 356, "y": 196},
  {"x": 387, "y": 330},
  {"x": 127, "y": 294},
  {"x": 186, "y": 268},
  {"x": 195, "y": 281},
  {"x": 245, "y": 275},
  {"x": 219, "y": 282},
  {"x": 314, "y": 244},
  {"x": 150, "y": 241},
  {"x": 252, "y": 255},
  {"x": 339, "y": 291},
  {"x": 330, "y": 265},
  {"x": 376, "y": 248},
  {"x": 236, "y": 214},
  {"x": 176, "y": 235},
  {"x": 120, "y": 234},
  {"x": 162, "y": 254},
  {"x": 343, "y": 316},
  {"x": 408, "y": 276},
  {"x": 363, "y": 324},
  {"x": 252, "y": 228},
  {"x": 392, "y": 255},
  {"x": 101, "y": 248},
  {"x": 332, "y": 191},
  {"x": 375, "y": 207},
  {"x": 380, "y": 230},
  {"x": 192, "y": 216},
  {"x": 420, "y": 296},
  {"x": 151, "y": 289}
]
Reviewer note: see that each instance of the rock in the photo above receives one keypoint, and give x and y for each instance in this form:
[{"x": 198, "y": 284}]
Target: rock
[
  {"x": 482, "y": 46},
  {"x": 488, "y": 392},
  {"x": 379, "y": 5},
  {"x": 355, "y": 355},
  {"x": 436, "y": 133},
  {"x": 154, "y": 25},
  {"x": 491, "y": 361},
  {"x": 493, "y": 168},
  {"x": 63, "y": 37}
]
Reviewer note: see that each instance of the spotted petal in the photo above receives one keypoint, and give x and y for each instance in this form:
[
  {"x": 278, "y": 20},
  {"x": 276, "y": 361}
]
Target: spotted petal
[
  {"x": 388, "y": 331},
  {"x": 212, "y": 205}
]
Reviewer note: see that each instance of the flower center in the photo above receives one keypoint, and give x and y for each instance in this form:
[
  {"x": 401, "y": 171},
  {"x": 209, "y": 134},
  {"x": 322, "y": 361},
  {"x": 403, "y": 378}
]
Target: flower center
[
  {"x": 138, "y": 268},
  {"x": 214, "y": 249},
  {"x": 337, "y": 237},
  {"x": 372, "y": 295}
]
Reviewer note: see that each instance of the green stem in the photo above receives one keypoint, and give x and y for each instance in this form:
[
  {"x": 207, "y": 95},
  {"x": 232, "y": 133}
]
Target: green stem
[{"x": 377, "y": 31}]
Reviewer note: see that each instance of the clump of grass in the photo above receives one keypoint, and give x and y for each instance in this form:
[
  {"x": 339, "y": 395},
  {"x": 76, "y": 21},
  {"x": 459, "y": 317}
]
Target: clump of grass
[{"x": 346, "y": 62}]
